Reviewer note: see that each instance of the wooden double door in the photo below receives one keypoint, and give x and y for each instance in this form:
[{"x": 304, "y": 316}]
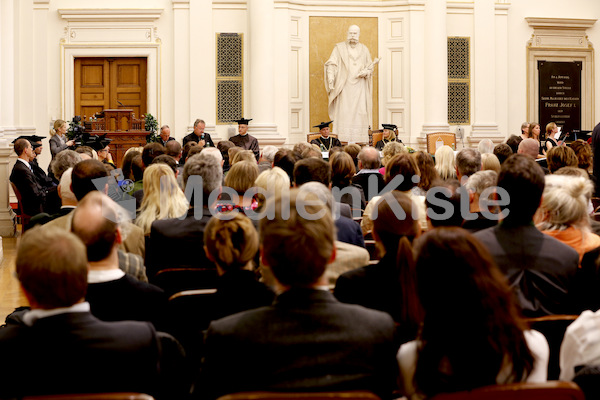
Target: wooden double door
[{"x": 112, "y": 82}]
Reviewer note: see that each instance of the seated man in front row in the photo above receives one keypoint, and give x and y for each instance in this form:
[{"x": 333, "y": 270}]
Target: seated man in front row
[
  {"x": 59, "y": 347},
  {"x": 307, "y": 340}
]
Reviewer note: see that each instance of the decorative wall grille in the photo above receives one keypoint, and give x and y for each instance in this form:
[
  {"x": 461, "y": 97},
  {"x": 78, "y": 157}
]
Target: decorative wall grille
[
  {"x": 459, "y": 81},
  {"x": 230, "y": 82}
]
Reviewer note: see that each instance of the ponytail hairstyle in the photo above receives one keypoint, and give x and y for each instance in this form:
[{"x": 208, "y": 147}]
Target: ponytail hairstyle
[
  {"x": 57, "y": 124},
  {"x": 394, "y": 234},
  {"x": 233, "y": 242}
]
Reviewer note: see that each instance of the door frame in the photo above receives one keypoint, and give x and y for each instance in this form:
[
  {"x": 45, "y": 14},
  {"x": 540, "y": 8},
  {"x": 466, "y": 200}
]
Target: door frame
[{"x": 153, "y": 79}]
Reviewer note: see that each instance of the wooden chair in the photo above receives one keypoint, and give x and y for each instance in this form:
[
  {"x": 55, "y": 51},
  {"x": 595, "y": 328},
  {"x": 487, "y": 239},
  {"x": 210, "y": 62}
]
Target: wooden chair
[
  {"x": 93, "y": 396},
  {"x": 448, "y": 138},
  {"x": 555, "y": 390},
  {"x": 375, "y": 136},
  {"x": 553, "y": 327},
  {"x": 372, "y": 249},
  {"x": 25, "y": 218},
  {"x": 350, "y": 395},
  {"x": 596, "y": 203},
  {"x": 173, "y": 280}
]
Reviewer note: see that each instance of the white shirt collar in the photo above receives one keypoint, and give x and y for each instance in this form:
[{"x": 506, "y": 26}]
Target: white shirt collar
[
  {"x": 24, "y": 162},
  {"x": 367, "y": 171},
  {"x": 30, "y": 317},
  {"x": 105, "y": 275}
]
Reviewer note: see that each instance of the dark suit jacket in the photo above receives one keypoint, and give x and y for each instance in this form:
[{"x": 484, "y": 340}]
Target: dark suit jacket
[
  {"x": 363, "y": 179},
  {"x": 247, "y": 142},
  {"x": 77, "y": 353},
  {"x": 348, "y": 231},
  {"x": 126, "y": 299},
  {"x": 305, "y": 341},
  {"x": 32, "y": 192},
  {"x": 192, "y": 137},
  {"x": 163, "y": 142},
  {"x": 540, "y": 269},
  {"x": 176, "y": 243}
]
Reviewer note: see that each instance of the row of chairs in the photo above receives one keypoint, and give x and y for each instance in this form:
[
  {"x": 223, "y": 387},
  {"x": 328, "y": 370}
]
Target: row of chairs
[{"x": 515, "y": 391}]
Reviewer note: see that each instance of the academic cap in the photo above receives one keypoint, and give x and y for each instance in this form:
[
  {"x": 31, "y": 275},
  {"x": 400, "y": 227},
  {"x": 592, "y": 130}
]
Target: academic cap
[
  {"x": 243, "y": 121},
  {"x": 391, "y": 127},
  {"x": 33, "y": 139},
  {"x": 97, "y": 142},
  {"x": 323, "y": 125}
]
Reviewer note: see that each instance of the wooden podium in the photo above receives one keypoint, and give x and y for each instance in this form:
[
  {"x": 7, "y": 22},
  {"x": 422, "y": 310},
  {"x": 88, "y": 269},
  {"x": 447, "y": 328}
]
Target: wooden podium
[{"x": 124, "y": 130}]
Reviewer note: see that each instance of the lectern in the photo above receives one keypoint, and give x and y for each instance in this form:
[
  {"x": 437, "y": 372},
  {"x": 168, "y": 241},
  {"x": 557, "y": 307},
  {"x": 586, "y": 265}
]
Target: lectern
[{"x": 123, "y": 128}]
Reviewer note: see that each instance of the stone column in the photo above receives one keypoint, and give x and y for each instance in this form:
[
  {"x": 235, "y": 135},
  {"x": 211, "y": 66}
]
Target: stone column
[
  {"x": 484, "y": 73},
  {"x": 262, "y": 70},
  {"x": 436, "y": 68},
  {"x": 181, "y": 67}
]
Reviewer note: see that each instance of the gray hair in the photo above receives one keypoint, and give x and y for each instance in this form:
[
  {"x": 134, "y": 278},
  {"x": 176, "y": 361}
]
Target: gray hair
[
  {"x": 269, "y": 152},
  {"x": 206, "y": 167},
  {"x": 196, "y": 122},
  {"x": 212, "y": 152},
  {"x": 63, "y": 161},
  {"x": 486, "y": 146},
  {"x": 162, "y": 128},
  {"x": 468, "y": 161},
  {"x": 65, "y": 186},
  {"x": 322, "y": 192},
  {"x": 369, "y": 157},
  {"x": 565, "y": 202},
  {"x": 481, "y": 180}
]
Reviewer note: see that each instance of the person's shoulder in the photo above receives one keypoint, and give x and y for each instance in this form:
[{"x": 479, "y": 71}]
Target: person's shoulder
[
  {"x": 241, "y": 322},
  {"x": 558, "y": 248},
  {"x": 143, "y": 287}
]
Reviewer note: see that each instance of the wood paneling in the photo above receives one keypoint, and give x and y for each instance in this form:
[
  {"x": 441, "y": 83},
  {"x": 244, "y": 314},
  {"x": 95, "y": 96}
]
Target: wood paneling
[{"x": 103, "y": 83}]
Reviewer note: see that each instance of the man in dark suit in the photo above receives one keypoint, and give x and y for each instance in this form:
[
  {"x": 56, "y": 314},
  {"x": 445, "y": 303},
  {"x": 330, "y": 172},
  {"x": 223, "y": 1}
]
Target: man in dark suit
[
  {"x": 113, "y": 295},
  {"x": 199, "y": 136},
  {"x": 165, "y": 135},
  {"x": 58, "y": 346},
  {"x": 539, "y": 268},
  {"x": 325, "y": 142},
  {"x": 33, "y": 194},
  {"x": 368, "y": 171},
  {"x": 176, "y": 242},
  {"x": 307, "y": 340}
]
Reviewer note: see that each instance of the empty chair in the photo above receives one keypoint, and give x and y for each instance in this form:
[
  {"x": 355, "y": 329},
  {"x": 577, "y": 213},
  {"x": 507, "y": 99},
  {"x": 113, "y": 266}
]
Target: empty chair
[
  {"x": 173, "y": 280},
  {"x": 349, "y": 395},
  {"x": 519, "y": 391}
]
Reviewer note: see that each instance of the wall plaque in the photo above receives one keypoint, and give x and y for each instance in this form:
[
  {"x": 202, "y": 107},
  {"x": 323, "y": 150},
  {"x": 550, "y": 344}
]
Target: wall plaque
[{"x": 560, "y": 94}]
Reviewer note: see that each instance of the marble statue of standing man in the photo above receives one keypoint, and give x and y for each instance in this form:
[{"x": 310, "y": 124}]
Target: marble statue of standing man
[{"x": 348, "y": 80}]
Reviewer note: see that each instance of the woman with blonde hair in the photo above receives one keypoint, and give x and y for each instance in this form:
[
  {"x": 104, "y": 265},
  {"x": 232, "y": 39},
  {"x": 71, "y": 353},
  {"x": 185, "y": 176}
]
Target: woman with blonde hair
[
  {"x": 240, "y": 178},
  {"x": 445, "y": 163},
  {"x": 563, "y": 213},
  {"x": 274, "y": 181},
  {"x": 551, "y": 130},
  {"x": 162, "y": 197},
  {"x": 490, "y": 162},
  {"x": 232, "y": 243},
  {"x": 244, "y": 155},
  {"x": 58, "y": 139},
  {"x": 389, "y": 151}
]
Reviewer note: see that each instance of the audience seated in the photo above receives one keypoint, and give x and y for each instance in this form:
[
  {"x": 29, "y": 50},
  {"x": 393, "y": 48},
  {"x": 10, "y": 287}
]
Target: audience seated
[
  {"x": 388, "y": 286},
  {"x": 176, "y": 242},
  {"x": 489, "y": 162},
  {"x": 305, "y": 341},
  {"x": 353, "y": 150},
  {"x": 563, "y": 213},
  {"x": 67, "y": 198},
  {"x": 63, "y": 161},
  {"x": 239, "y": 184},
  {"x": 149, "y": 153},
  {"x": 243, "y": 155},
  {"x": 59, "y": 346},
  {"x": 273, "y": 182},
  {"x": 472, "y": 335},
  {"x": 477, "y": 185},
  {"x": 445, "y": 162},
  {"x": 232, "y": 243},
  {"x": 186, "y": 149},
  {"x": 368, "y": 175},
  {"x": 112, "y": 294},
  {"x": 585, "y": 157},
  {"x": 163, "y": 199},
  {"x": 223, "y": 146},
  {"x": 443, "y": 204},
  {"x": 286, "y": 159},
  {"x": 390, "y": 150},
  {"x": 580, "y": 346},
  {"x": 530, "y": 147},
  {"x": 502, "y": 151},
  {"x": 561, "y": 156},
  {"x": 539, "y": 268},
  {"x": 427, "y": 171},
  {"x": 267, "y": 155},
  {"x": 342, "y": 171},
  {"x": 485, "y": 146},
  {"x": 514, "y": 141},
  {"x": 468, "y": 161},
  {"x": 33, "y": 194}
]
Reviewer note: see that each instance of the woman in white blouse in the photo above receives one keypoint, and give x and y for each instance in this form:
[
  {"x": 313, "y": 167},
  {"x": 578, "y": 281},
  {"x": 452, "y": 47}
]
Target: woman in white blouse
[{"x": 472, "y": 334}]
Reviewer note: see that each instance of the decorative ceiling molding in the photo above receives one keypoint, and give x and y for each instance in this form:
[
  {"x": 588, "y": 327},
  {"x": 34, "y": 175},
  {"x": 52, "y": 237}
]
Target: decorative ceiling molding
[
  {"x": 111, "y": 15},
  {"x": 560, "y": 23}
]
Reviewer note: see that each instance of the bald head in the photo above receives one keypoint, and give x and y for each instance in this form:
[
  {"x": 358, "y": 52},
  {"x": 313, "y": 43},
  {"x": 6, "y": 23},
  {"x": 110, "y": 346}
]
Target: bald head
[
  {"x": 529, "y": 147},
  {"x": 94, "y": 222},
  {"x": 368, "y": 158}
]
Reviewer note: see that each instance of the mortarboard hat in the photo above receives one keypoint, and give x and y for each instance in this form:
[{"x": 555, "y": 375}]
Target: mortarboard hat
[
  {"x": 391, "y": 127},
  {"x": 323, "y": 125},
  {"x": 96, "y": 142},
  {"x": 243, "y": 121},
  {"x": 33, "y": 139}
]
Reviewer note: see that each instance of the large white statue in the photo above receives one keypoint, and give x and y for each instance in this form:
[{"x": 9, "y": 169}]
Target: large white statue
[{"x": 348, "y": 80}]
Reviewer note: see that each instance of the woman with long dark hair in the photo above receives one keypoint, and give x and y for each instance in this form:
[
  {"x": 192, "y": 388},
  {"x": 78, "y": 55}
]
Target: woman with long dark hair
[
  {"x": 389, "y": 285},
  {"x": 472, "y": 334}
]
